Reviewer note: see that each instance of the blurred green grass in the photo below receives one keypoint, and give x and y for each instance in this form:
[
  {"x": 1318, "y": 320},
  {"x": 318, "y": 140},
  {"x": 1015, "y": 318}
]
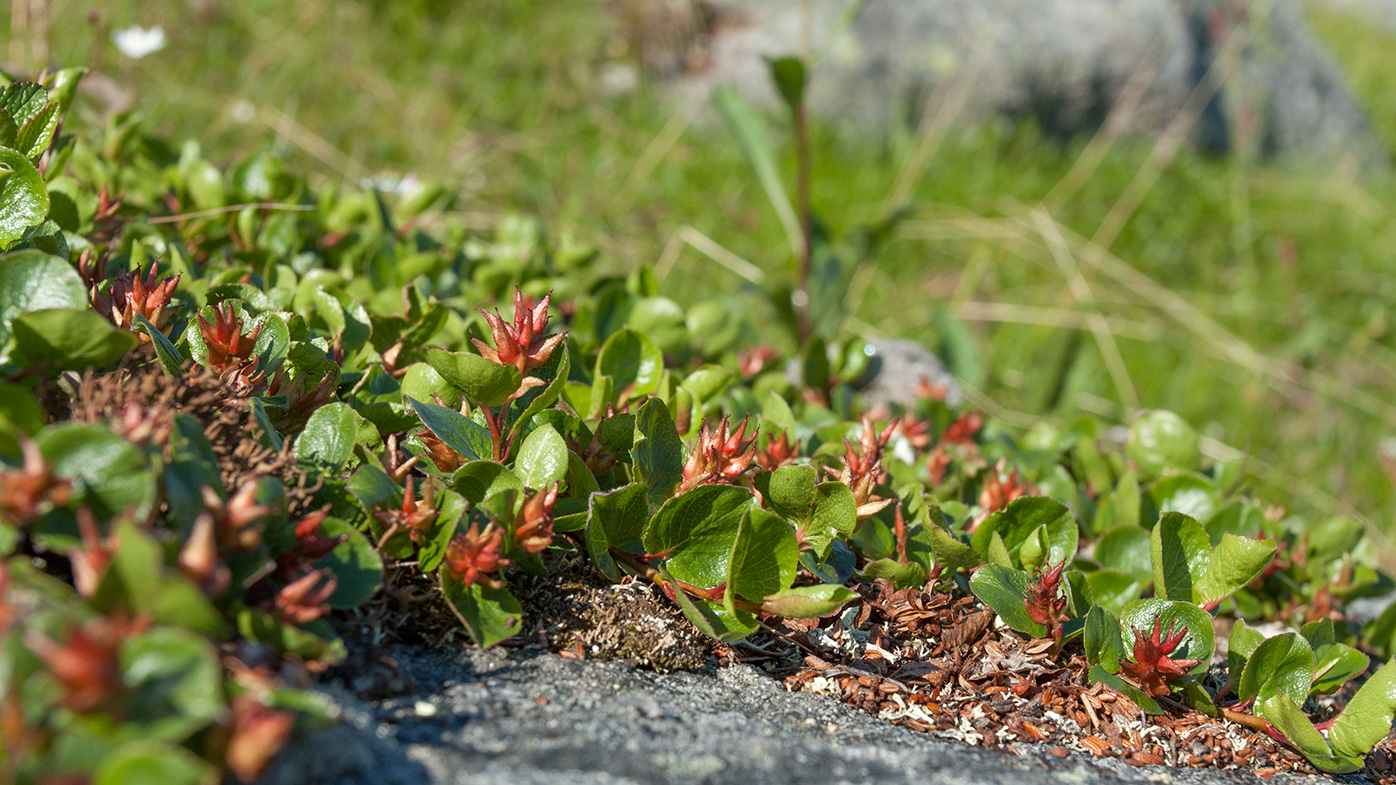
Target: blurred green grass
[{"x": 1260, "y": 306}]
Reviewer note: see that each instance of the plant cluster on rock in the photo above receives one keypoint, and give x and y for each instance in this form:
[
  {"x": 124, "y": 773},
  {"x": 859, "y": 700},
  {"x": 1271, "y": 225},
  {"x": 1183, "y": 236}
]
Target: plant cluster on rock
[{"x": 236, "y": 407}]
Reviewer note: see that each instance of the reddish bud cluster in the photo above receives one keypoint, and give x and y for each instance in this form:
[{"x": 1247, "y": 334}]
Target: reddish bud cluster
[
  {"x": 130, "y": 294},
  {"x": 862, "y": 470},
  {"x": 1152, "y": 666},
  {"x": 258, "y": 733},
  {"x": 302, "y": 398},
  {"x": 91, "y": 560},
  {"x": 718, "y": 456},
  {"x": 472, "y": 557},
  {"x": 916, "y": 430},
  {"x": 963, "y": 429},
  {"x": 416, "y": 516},
  {"x": 753, "y": 360},
  {"x": 1045, "y": 602},
  {"x": 235, "y": 522},
  {"x": 303, "y": 600},
  {"x": 533, "y": 526},
  {"x": 521, "y": 344},
  {"x": 999, "y": 490},
  {"x": 311, "y": 545},
  {"x": 32, "y": 488},
  {"x": 230, "y": 350},
  {"x": 446, "y": 459},
  {"x": 86, "y": 665},
  {"x": 780, "y": 451}
]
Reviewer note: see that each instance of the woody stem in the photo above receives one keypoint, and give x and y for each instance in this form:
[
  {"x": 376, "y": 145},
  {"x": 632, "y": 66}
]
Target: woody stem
[{"x": 655, "y": 577}]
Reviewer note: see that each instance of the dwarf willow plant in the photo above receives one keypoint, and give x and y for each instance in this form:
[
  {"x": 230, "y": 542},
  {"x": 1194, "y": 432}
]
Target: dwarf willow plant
[{"x": 233, "y": 406}]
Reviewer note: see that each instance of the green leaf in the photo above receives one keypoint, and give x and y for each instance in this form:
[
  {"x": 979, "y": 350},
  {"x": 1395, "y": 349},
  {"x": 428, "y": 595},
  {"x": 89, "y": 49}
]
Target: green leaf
[
  {"x": 489, "y": 615},
  {"x": 35, "y": 133},
  {"x": 542, "y": 457},
  {"x": 695, "y": 531},
  {"x": 1005, "y": 590},
  {"x": 24, "y": 199},
  {"x": 1191, "y": 494},
  {"x": 790, "y": 491},
  {"x": 1016, "y": 522},
  {"x": 633, "y": 363},
  {"x": 355, "y": 563},
  {"x": 484, "y": 382},
  {"x": 1232, "y": 565},
  {"x": 952, "y": 554},
  {"x": 110, "y": 472},
  {"x": 176, "y": 682},
  {"x": 329, "y": 436},
  {"x": 170, "y": 358},
  {"x": 709, "y": 382},
  {"x": 764, "y": 557},
  {"x": 1126, "y": 549},
  {"x": 903, "y": 575},
  {"x": 746, "y": 125},
  {"x": 67, "y": 339},
  {"x": 1104, "y": 646},
  {"x": 658, "y": 453},
  {"x": 1284, "y": 663},
  {"x": 1099, "y": 675},
  {"x": 422, "y": 381},
  {"x": 1367, "y": 718},
  {"x": 1241, "y": 645},
  {"x": 1139, "y": 617},
  {"x": 714, "y": 620},
  {"x": 808, "y": 602},
  {"x": 1334, "y": 665},
  {"x": 616, "y": 519},
  {"x": 1114, "y": 590},
  {"x": 1289, "y": 719},
  {"x": 1160, "y": 441},
  {"x": 462, "y": 434},
  {"x": 1180, "y": 550},
  {"x": 148, "y": 761},
  {"x": 479, "y": 480},
  {"x": 789, "y": 75}
]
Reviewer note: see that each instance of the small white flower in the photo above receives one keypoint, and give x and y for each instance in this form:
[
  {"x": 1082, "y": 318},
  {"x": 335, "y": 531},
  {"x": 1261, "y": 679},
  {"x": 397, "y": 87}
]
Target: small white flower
[{"x": 136, "y": 42}]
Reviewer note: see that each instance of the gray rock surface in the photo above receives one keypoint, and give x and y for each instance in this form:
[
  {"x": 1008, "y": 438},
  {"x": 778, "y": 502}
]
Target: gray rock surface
[
  {"x": 1065, "y": 62},
  {"x": 517, "y": 718},
  {"x": 897, "y": 368}
]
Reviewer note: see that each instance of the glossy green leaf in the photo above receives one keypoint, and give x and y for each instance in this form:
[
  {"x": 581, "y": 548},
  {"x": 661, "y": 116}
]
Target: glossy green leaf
[
  {"x": 1101, "y": 638},
  {"x": 633, "y": 363},
  {"x": 1289, "y": 719},
  {"x": 1197, "y": 644},
  {"x": 1284, "y": 663},
  {"x": 1241, "y": 644},
  {"x": 658, "y": 453},
  {"x": 329, "y": 436},
  {"x": 714, "y": 620},
  {"x": 482, "y": 381},
  {"x": 1021, "y": 518},
  {"x": 764, "y": 557},
  {"x": 170, "y": 357},
  {"x": 1366, "y": 719},
  {"x": 1160, "y": 441},
  {"x": 903, "y": 575},
  {"x": 489, "y": 615},
  {"x": 462, "y": 434},
  {"x": 357, "y": 567},
  {"x": 1005, "y": 590},
  {"x": 952, "y": 554},
  {"x": 479, "y": 480},
  {"x": 149, "y": 761},
  {"x": 1180, "y": 552},
  {"x": 1232, "y": 565},
  {"x": 616, "y": 519},
  {"x": 542, "y": 458},
  {"x": 111, "y": 474},
  {"x": 808, "y": 602},
  {"x": 1126, "y": 549},
  {"x": 67, "y": 339},
  {"x": 24, "y": 199},
  {"x": 695, "y": 531}
]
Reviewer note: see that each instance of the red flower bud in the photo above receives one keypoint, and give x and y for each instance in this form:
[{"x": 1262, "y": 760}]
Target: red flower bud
[{"x": 472, "y": 556}]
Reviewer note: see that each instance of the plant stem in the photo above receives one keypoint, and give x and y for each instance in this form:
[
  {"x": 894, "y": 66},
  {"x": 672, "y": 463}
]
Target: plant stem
[{"x": 655, "y": 577}]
